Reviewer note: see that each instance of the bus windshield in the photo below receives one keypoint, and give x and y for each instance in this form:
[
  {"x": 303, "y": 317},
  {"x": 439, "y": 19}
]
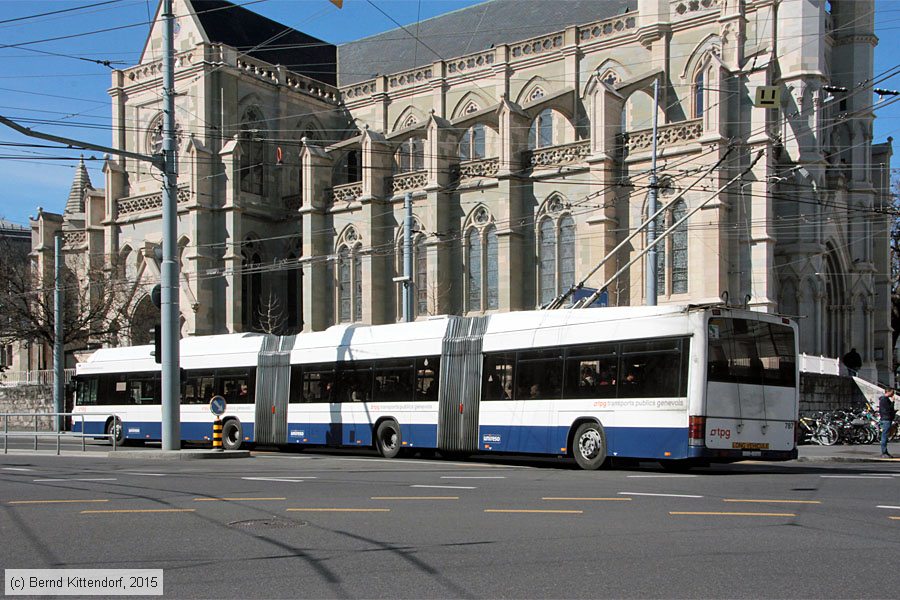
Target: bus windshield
[{"x": 753, "y": 352}]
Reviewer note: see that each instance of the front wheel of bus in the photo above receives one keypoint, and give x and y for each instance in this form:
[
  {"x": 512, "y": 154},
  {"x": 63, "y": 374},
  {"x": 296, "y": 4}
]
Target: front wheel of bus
[
  {"x": 589, "y": 446},
  {"x": 387, "y": 438},
  {"x": 232, "y": 435},
  {"x": 114, "y": 428}
]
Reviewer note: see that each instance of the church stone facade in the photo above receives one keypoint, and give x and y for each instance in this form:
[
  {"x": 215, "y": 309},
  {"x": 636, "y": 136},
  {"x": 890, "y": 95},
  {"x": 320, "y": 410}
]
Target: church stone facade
[{"x": 523, "y": 132}]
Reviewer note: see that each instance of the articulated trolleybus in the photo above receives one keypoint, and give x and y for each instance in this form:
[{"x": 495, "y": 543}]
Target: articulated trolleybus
[{"x": 682, "y": 385}]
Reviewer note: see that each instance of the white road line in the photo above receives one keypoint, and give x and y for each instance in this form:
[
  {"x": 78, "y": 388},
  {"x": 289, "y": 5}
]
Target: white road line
[
  {"x": 662, "y": 495},
  {"x": 853, "y": 477},
  {"x": 886, "y": 506},
  {"x": 466, "y": 477},
  {"x": 97, "y": 479},
  {"x": 15, "y": 469},
  {"x": 445, "y": 487},
  {"x": 284, "y": 479},
  {"x": 667, "y": 476},
  {"x": 146, "y": 474}
]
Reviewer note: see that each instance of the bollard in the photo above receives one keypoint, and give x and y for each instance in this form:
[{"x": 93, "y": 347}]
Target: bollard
[{"x": 217, "y": 435}]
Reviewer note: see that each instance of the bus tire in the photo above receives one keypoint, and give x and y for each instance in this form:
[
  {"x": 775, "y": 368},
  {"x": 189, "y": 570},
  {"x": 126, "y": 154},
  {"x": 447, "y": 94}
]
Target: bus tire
[
  {"x": 114, "y": 426},
  {"x": 589, "y": 446},
  {"x": 387, "y": 438},
  {"x": 232, "y": 434}
]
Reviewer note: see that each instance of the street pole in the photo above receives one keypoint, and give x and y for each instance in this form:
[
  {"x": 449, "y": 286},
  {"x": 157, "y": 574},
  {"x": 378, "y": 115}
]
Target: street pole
[
  {"x": 651, "y": 208},
  {"x": 58, "y": 365},
  {"x": 171, "y": 315},
  {"x": 407, "y": 258}
]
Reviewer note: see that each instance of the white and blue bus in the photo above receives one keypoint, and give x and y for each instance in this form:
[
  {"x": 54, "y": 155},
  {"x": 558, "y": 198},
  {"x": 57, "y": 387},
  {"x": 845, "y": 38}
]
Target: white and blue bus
[{"x": 678, "y": 384}]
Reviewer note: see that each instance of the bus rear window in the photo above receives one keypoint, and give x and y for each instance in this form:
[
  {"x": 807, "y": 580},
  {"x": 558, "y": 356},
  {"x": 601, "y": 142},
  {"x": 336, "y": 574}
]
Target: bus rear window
[{"x": 754, "y": 352}]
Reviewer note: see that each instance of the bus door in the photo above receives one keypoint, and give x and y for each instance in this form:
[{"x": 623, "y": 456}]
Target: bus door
[
  {"x": 459, "y": 384},
  {"x": 273, "y": 377},
  {"x": 752, "y": 386}
]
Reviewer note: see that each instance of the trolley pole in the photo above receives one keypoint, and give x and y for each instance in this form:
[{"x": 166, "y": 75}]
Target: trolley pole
[
  {"x": 652, "y": 208},
  {"x": 171, "y": 315},
  {"x": 58, "y": 366}
]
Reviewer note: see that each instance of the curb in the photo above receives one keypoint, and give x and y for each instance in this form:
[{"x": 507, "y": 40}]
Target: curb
[
  {"x": 847, "y": 459},
  {"x": 172, "y": 455}
]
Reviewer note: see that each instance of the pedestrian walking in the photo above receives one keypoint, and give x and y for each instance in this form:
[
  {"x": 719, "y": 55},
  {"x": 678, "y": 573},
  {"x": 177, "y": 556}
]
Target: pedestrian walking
[{"x": 886, "y": 414}]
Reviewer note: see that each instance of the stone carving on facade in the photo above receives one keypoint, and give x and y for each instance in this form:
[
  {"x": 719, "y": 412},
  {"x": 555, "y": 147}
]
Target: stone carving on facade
[
  {"x": 154, "y": 69},
  {"x": 555, "y": 156},
  {"x": 686, "y": 8},
  {"x": 537, "y": 46},
  {"x": 486, "y": 167},
  {"x": 415, "y": 180},
  {"x": 148, "y": 202},
  {"x": 468, "y": 63},
  {"x": 606, "y": 28},
  {"x": 348, "y": 192},
  {"x": 667, "y": 135},
  {"x": 408, "y": 78},
  {"x": 360, "y": 90},
  {"x": 73, "y": 239}
]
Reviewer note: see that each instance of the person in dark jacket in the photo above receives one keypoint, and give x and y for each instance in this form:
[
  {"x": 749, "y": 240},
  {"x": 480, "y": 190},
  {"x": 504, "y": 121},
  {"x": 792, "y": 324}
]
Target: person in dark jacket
[
  {"x": 886, "y": 414},
  {"x": 852, "y": 360}
]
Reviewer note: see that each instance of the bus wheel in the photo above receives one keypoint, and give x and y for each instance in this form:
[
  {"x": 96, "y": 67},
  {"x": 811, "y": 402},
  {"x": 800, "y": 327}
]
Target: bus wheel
[
  {"x": 114, "y": 427},
  {"x": 589, "y": 446},
  {"x": 387, "y": 438},
  {"x": 232, "y": 435}
]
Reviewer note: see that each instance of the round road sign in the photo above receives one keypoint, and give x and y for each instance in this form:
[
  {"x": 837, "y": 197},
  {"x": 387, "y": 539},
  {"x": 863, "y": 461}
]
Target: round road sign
[{"x": 217, "y": 406}]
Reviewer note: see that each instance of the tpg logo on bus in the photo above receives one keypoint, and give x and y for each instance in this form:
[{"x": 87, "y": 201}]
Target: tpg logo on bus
[{"x": 721, "y": 433}]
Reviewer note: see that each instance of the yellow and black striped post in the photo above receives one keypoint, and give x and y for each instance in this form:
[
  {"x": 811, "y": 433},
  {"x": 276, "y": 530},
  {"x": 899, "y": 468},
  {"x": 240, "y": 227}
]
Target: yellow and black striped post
[{"x": 217, "y": 435}]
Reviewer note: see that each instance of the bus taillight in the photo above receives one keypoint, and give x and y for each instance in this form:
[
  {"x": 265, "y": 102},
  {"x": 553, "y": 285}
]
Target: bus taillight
[{"x": 696, "y": 430}]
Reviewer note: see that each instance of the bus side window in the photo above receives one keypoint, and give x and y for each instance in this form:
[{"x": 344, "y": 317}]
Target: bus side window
[
  {"x": 497, "y": 378},
  {"x": 427, "y": 371}
]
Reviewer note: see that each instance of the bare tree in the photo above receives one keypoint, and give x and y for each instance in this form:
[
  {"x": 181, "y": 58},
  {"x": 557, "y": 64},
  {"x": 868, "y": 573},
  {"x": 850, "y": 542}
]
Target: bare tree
[
  {"x": 94, "y": 297},
  {"x": 271, "y": 316},
  {"x": 894, "y": 213}
]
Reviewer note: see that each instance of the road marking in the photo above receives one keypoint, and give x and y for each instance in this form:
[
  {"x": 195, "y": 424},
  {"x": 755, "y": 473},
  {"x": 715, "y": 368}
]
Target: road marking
[
  {"x": 661, "y": 495},
  {"x": 853, "y": 477},
  {"x": 590, "y": 499},
  {"x": 773, "y": 501},
  {"x": 655, "y": 476},
  {"x": 554, "y": 512},
  {"x": 234, "y": 499},
  {"x": 414, "y": 498},
  {"x": 146, "y": 474},
  {"x": 139, "y": 510},
  {"x": 96, "y": 479},
  {"x": 886, "y": 506},
  {"x": 284, "y": 479},
  {"x": 52, "y": 501},
  {"x": 473, "y": 477},
  {"x": 733, "y": 514},
  {"x": 15, "y": 469},
  {"x": 446, "y": 487},
  {"x": 338, "y": 510},
  {"x": 894, "y": 518}
]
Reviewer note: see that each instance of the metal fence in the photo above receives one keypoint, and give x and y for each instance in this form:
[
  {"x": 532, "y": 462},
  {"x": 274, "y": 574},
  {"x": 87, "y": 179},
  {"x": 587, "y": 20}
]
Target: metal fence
[
  {"x": 44, "y": 377},
  {"x": 54, "y": 417}
]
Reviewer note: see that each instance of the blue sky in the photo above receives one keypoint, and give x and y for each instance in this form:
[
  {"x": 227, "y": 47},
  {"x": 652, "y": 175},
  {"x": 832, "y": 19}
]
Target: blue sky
[{"x": 69, "y": 93}]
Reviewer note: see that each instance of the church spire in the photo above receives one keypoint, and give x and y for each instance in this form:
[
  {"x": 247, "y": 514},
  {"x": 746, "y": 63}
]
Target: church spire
[{"x": 82, "y": 181}]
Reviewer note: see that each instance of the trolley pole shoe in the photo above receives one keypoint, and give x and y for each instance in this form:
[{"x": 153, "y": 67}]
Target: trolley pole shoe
[{"x": 217, "y": 435}]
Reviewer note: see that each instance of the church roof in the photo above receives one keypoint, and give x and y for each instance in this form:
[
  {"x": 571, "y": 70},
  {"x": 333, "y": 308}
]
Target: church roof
[
  {"x": 81, "y": 182},
  {"x": 466, "y": 31},
  {"x": 267, "y": 40}
]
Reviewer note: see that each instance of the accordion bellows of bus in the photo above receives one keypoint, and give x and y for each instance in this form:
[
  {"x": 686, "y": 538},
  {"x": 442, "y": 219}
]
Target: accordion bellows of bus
[{"x": 683, "y": 385}]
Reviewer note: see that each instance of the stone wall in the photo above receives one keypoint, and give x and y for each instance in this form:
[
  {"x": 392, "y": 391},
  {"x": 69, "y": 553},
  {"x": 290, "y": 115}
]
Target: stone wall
[
  {"x": 26, "y": 399},
  {"x": 828, "y": 392}
]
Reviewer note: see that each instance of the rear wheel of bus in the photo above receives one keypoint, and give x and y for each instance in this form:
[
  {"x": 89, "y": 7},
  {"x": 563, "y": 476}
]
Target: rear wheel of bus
[
  {"x": 589, "y": 446},
  {"x": 387, "y": 438}
]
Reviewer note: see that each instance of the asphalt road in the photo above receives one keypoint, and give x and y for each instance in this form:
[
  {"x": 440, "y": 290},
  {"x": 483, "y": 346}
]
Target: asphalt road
[{"x": 327, "y": 525}]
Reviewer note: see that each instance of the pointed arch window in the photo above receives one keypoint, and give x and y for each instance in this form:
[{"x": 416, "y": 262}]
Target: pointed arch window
[
  {"x": 540, "y": 135},
  {"x": 556, "y": 251},
  {"x": 672, "y": 252},
  {"x": 251, "y": 287},
  {"x": 471, "y": 145},
  {"x": 410, "y": 156},
  {"x": 253, "y": 153},
  {"x": 349, "y": 278},
  {"x": 473, "y": 268},
  {"x": 482, "y": 263},
  {"x": 419, "y": 273},
  {"x": 698, "y": 94}
]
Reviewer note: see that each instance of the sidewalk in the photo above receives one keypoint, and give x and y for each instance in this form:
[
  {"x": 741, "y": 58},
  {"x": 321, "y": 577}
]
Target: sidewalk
[{"x": 842, "y": 453}]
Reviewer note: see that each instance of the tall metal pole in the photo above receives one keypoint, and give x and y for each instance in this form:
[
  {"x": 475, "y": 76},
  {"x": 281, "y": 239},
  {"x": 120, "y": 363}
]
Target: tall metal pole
[
  {"x": 407, "y": 259},
  {"x": 58, "y": 307},
  {"x": 651, "y": 207},
  {"x": 171, "y": 315}
]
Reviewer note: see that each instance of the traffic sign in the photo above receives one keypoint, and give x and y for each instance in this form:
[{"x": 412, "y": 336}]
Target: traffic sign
[{"x": 217, "y": 406}]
